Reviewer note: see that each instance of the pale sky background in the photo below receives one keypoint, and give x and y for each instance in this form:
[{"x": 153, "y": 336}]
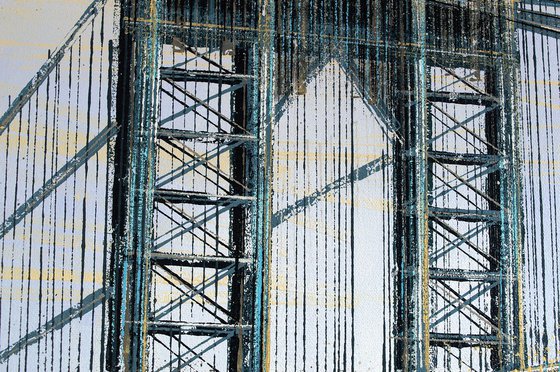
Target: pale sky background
[{"x": 28, "y": 29}]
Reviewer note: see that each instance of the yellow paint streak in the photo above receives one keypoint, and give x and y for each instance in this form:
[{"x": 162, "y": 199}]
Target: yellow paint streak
[
  {"x": 425, "y": 298},
  {"x": 520, "y": 317},
  {"x": 555, "y": 106},
  {"x": 50, "y": 274},
  {"x": 311, "y": 156}
]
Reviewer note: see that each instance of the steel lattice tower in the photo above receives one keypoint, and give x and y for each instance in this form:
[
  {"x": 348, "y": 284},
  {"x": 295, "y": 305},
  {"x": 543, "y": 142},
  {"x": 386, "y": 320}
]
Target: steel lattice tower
[
  {"x": 237, "y": 197},
  {"x": 482, "y": 229},
  {"x": 483, "y": 226}
]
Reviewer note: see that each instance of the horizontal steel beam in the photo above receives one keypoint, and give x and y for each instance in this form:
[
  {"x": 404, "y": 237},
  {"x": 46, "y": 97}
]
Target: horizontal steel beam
[
  {"x": 465, "y": 214},
  {"x": 180, "y": 134},
  {"x": 460, "y": 275},
  {"x": 191, "y": 260},
  {"x": 460, "y": 340},
  {"x": 464, "y": 159},
  {"x": 199, "y": 198},
  {"x": 213, "y": 77},
  {"x": 195, "y": 329},
  {"x": 462, "y": 98}
]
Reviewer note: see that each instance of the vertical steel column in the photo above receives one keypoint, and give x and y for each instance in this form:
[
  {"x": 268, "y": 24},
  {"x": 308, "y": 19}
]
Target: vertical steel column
[
  {"x": 137, "y": 108},
  {"x": 263, "y": 225},
  {"x": 411, "y": 183},
  {"x": 420, "y": 348},
  {"x": 511, "y": 190},
  {"x": 239, "y": 223}
]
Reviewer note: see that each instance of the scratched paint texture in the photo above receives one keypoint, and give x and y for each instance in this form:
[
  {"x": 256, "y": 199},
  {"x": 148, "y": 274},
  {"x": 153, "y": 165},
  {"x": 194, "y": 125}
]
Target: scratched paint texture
[{"x": 325, "y": 102}]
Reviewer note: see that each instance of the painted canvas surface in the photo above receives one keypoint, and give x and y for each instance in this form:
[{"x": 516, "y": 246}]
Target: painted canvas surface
[{"x": 295, "y": 185}]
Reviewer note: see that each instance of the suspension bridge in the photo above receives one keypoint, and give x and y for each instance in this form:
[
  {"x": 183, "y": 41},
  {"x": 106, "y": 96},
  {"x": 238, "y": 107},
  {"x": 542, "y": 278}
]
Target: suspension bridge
[{"x": 250, "y": 185}]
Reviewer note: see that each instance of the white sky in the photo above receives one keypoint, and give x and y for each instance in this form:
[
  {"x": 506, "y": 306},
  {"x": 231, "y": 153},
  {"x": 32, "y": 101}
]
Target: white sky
[{"x": 28, "y": 29}]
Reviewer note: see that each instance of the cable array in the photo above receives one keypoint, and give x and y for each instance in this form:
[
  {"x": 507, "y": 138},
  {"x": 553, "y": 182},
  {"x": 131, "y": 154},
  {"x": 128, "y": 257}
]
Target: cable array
[
  {"x": 55, "y": 165},
  {"x": 539, "y": 114},
  {"x": 336, "y": 185}
]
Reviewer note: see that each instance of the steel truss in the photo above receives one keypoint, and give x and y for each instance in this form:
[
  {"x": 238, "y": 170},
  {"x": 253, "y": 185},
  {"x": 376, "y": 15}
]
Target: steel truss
[
  {"x": 189, "y": 265},
  {"x": 209, "y": 187},
  {"x": 194, "y": 220},
  {"x": 457, "y": 221},
  {"x": 458, "y": 263}
]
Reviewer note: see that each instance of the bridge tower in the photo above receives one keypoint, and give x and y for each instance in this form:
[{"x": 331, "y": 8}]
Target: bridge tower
[
  {"x": 190, "y": 212},
  {"x": 457, "y": 188},
  {"x": 181, "y": 194}
]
